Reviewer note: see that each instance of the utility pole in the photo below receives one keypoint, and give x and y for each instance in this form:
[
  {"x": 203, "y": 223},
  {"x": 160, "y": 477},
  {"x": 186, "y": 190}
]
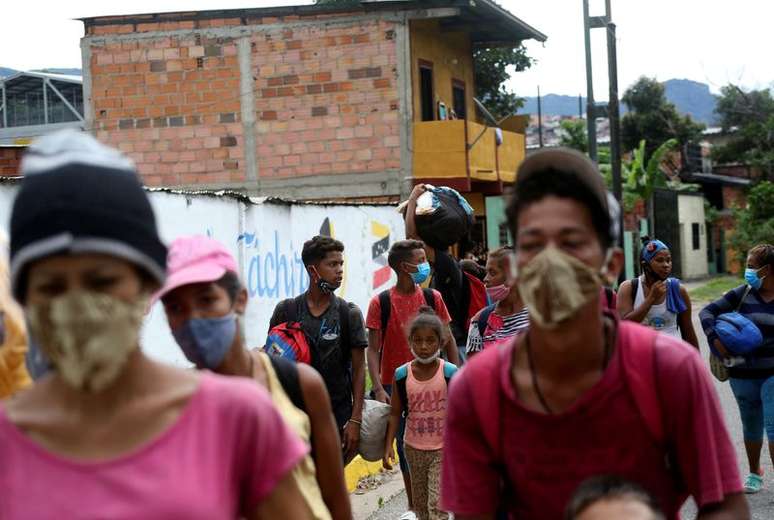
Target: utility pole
[
  {"x": 611, "y": 110},
  {"x": 540, "y": 119}
]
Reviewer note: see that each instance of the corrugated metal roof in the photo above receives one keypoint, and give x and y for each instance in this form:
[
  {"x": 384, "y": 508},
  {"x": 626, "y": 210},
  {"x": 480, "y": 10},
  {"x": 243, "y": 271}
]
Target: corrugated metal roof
[{"x": 43, "y": 75}]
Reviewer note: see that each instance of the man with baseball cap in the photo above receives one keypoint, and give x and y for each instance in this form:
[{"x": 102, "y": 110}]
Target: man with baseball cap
[{"x": 581, "y": 393}]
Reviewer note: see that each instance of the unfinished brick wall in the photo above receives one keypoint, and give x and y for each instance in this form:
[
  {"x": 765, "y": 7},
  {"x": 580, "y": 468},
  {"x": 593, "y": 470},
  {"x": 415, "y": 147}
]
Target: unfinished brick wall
[
  {"x": 325, "y": 98},
  {"x": 10, "y": 157},
  {"x": 172, "y": 104}
]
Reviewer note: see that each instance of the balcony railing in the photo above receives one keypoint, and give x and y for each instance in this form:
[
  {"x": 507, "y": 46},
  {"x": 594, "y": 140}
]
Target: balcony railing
[{"x": 460, "y": 153}]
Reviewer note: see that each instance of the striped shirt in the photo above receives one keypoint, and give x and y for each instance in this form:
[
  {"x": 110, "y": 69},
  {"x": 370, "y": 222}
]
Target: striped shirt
[
  {"x": 498, "y": 328},
  {"x": 760, "y": 363}
]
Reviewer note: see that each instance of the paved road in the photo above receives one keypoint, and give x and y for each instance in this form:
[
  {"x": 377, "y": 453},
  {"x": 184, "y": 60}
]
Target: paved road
[{"x": 761, "y": 504}]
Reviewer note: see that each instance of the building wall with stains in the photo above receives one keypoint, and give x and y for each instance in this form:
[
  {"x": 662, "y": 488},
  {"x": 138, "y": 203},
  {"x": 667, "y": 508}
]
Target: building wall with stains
[
  {"x": 266, "y": 239},
  {"x": 232, "y": 102}
]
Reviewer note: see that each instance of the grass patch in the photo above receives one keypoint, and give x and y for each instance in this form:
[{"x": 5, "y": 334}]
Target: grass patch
[{"x": 715, "y": 288}]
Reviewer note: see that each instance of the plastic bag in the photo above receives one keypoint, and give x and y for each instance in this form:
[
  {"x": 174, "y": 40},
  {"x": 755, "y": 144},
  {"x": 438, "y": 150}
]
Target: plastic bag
[
  {"x": 373, "y": 431},
  {"x": 443, "y": 217}
]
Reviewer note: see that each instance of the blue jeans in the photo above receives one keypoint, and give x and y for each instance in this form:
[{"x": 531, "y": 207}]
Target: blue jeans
[
  {"x": 399, "y": 436},
  {"x": 755, "y": 398}
]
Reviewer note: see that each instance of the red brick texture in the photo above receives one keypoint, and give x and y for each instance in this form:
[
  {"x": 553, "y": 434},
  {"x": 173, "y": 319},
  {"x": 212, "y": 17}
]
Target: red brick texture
[
  {"x": 325, "y": 96},
  {"x": 10, "y": 157}
]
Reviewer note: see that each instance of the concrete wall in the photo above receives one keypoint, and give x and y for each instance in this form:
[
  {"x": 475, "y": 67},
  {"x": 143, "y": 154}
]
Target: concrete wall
[
  {"x": 266, "y": 238},
  {"x": 691, "y": 212},
  {"x": 252, "y": 104}
]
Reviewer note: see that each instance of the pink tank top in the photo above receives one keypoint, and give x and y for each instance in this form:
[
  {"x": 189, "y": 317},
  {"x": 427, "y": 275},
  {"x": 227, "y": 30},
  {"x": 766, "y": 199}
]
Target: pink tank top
[{"x": 427, "y": 410}]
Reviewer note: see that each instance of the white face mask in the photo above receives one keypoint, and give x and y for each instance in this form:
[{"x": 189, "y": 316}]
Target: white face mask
[{"x": 426, "y": 360}]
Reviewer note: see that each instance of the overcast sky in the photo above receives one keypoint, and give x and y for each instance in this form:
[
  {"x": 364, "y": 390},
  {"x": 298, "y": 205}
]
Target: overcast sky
[{"x": 704, "y": 40}]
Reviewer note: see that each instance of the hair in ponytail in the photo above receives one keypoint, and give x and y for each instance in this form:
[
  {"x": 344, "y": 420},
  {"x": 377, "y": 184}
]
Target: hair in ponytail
[{"x": 426, "y": 318}]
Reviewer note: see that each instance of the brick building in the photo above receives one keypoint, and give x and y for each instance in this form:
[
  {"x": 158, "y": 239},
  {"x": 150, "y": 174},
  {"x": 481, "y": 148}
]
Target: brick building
[
  {"x": 10, "y": 157},
  {"x": 306, "y": 102}
]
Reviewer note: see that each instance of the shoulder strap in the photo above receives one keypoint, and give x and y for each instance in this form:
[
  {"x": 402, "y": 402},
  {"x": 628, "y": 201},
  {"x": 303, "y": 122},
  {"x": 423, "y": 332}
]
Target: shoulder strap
[
  {"x": 429, "y": 297},
  {"x": 346, "y": 342},
  {"x": 287, "y": 374},
  {"x": 401, "y": 375},
  {"x": 638, "y": 345},
  {"x": 635, "y": 286},
  {"x": 384, "y": 310},
  {"x": 291, "y": 309},
  {"x": 741, "y": 300},
  {"x": 609, "y": 297},
  {"x": 483, "y": 318}
]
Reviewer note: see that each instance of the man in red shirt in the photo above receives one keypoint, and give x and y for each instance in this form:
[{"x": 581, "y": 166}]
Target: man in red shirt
[
  {"x": 388, "y": 346},
  {"x": 528, "y": 423}
]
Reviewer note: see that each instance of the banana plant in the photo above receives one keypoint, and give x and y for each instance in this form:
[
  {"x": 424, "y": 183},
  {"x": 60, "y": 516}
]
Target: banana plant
[{"x": 643, "y": 174}]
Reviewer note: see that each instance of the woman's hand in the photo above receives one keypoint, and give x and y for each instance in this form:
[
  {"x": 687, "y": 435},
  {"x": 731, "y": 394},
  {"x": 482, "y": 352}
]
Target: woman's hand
[{"x": 389, "y": 457}]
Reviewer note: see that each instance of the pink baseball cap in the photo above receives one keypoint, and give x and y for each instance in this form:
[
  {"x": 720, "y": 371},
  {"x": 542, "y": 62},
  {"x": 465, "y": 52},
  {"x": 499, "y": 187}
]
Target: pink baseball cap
[{"x": 195, "y": 259}]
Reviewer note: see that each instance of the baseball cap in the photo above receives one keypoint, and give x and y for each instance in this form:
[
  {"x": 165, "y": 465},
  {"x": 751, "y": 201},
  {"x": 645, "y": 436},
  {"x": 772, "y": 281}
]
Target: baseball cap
[
  {"x": 195, "y": 259},
  {"x": 572, "y": 162},
  {"x": 569, "y": 161}
]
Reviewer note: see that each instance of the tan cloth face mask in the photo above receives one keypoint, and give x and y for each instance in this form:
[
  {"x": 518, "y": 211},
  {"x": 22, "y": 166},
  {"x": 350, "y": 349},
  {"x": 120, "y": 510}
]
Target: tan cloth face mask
[
  {"x": 87, "y": 336},
  {"x": 554, "y": 286}
]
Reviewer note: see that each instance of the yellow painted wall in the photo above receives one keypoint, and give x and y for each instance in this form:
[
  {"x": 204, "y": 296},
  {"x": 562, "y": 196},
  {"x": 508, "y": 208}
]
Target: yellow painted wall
[
  {"x": 452, "y": 57},
  {"x": 439, "y": 149},
  {"x": 476, "y": 201},
  {"x": 510, "y": 154},
  {"x": 483, "y": 166}
]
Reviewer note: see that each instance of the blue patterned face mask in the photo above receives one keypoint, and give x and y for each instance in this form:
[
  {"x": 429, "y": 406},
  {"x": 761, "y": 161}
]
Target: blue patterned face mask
[
  {"x": 37, "y": 363},
  {"x": 752, "y": 278},
  {"x": 206, "y": 341},
  {"x": 422, "y": 272}
]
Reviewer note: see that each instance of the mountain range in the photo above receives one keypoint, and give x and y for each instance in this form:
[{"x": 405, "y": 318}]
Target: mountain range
[{"x": 690, "y": 97}]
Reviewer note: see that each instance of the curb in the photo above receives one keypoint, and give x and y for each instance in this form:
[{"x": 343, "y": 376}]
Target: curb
[{"x": 359, "y": 468}]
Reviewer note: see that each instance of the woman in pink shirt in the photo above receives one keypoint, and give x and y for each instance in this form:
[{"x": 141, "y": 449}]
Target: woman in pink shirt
[{"x": 106, "y": 432}]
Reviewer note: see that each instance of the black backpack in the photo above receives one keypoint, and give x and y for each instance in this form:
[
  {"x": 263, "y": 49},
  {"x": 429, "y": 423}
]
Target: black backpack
[{"x": 291, "y": 315}]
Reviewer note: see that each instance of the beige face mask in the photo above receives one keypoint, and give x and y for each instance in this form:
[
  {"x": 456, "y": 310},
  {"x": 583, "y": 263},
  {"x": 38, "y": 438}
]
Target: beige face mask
[
  {"x": 87, "y": 336},
  {"x": 555, "y": 285}
]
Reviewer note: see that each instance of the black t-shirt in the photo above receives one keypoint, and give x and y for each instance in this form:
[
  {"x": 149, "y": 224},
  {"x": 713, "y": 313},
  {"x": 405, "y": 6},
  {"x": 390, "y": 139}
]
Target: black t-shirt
[
  {"x": 333, "y": 364},
  {"x": 448, "y": 280}
]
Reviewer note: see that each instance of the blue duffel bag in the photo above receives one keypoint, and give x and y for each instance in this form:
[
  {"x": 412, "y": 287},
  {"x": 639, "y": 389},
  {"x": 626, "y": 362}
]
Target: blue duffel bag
[{"x": 739, "y": 335}]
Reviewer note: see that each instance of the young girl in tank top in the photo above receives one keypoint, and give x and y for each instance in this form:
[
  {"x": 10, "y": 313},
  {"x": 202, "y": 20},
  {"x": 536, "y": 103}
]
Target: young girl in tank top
[{"x": 419, "y": 392}]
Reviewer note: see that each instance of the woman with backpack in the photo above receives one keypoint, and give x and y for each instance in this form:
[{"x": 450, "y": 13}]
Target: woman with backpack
[
  {"x": 106, "y": 431},
  {"x": 419, "y": 394},
  {"x": 204, "y": 299},
  {"x": 752, "y": 380},
  {"x": 507, "y": 315},
  {"x": 654, "y": 298}
]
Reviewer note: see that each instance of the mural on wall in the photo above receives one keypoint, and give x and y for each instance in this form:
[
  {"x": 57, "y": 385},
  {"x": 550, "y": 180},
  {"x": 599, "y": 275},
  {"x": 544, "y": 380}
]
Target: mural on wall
[
  {"x": 272, "y": 272},
  {"x": 266, "y": 238}
]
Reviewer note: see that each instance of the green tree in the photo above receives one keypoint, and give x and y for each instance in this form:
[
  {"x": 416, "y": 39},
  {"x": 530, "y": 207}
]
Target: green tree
[
  {"x": 653, "y": 119},
  {"x": 755, "y": 223},
  {"x": 573, "y": 135},
  {"x": 493, "y": 68},
  {"x": 643, "y": 173},
  {"x": 751, "y": 115}
]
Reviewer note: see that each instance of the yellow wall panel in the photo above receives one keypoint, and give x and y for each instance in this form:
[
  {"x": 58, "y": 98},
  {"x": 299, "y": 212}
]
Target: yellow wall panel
[{"x": 452, "y": 57}]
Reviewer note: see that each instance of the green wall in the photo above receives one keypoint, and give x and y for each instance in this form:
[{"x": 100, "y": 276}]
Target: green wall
[{"x": 495, "y": 215}]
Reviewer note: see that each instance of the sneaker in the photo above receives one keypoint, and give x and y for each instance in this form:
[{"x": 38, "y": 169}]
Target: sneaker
[
  {"x": 753, "y": 483},
  {"x": 408, "y": 515}
]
